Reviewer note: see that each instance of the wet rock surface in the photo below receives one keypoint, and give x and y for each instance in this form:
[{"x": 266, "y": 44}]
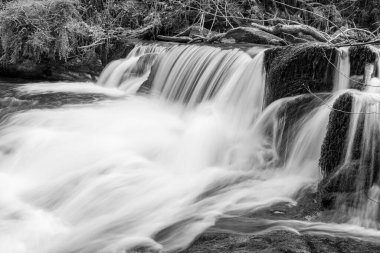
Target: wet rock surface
[{"x": 280, "y": 241}]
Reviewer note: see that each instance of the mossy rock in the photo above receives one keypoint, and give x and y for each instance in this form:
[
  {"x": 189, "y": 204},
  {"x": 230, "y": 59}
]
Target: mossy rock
[
  {"x": 292, "y": 70},
  {"x": 333, "y": 146},
  {"x": 333, "y": 151}
]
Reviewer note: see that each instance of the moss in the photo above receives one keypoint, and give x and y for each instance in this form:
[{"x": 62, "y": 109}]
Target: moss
[
  {"x": 332, "y": 153},
  {"x": 290, "y": 68},
  {"x": 359, "y": 56},
  {"x": 337, "y": 130}
]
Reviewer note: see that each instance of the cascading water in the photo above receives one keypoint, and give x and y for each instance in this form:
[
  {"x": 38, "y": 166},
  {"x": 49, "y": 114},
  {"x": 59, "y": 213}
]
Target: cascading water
[
  {"x": 152, "y": 172},
  {"x": 378, "y": 65},
  {"x": 193, "y": 74}
]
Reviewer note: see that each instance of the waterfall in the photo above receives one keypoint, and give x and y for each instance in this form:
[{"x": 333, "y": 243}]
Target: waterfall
[
  {"x": 113, "y": 170},
  {"x": 342, "y": 69},
  {"x": 192, "y": 74}
]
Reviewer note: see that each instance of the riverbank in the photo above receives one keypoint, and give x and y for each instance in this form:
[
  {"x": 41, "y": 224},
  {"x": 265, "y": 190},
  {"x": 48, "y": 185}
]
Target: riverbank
[{"x": 76, "y": 39}]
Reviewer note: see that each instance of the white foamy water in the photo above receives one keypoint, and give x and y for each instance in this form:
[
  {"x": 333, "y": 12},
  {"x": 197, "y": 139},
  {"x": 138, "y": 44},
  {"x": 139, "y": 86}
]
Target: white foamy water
[{"x": 110, "y": 176}]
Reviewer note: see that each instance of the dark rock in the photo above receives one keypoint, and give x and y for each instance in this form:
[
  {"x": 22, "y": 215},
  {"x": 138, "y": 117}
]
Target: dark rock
[
  {"x": 333, "y": 146},
  {"x": 253, "y": 35},
  {"x": 333, "y": 150}
]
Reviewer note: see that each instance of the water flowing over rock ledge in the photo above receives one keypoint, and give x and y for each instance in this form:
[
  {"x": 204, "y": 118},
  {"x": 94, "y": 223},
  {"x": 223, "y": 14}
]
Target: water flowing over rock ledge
[{"x": 229, "y": 137}]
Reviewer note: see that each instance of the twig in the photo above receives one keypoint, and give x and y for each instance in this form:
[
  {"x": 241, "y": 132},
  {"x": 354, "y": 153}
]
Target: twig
[
  {"x": 332, "y": 108},
  {"x": 373, "y": 42}
]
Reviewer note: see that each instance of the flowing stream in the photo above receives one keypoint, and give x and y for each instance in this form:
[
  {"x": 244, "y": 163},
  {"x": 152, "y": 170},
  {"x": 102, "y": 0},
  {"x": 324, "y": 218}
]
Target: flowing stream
[{"x": 106, "y": 168}]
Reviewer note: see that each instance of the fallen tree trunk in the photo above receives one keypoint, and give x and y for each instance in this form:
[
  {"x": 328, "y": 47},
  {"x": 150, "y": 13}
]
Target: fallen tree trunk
[
  {"x": 216, "y": 37},
  {"x": 254, "y": 35},
  {"x": 293, "y": 29}
]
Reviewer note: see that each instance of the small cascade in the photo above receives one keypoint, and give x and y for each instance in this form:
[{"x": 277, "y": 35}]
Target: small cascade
[
  {"x": 129, "y": 73},
  {"x": 141, "y": 49},
  {"x": 342, "y": 70}
]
